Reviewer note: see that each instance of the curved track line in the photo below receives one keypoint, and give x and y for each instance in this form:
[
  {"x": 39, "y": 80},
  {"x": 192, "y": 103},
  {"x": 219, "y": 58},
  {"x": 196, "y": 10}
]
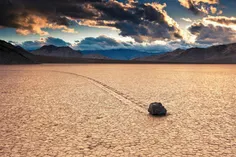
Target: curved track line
[
  {"x": 118, "y": 95},
  {"x": 115, "y": 93}
]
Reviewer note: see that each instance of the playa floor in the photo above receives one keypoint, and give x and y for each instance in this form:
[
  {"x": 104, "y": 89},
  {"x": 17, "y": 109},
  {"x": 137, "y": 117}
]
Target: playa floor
[{"x": 101, "y": 110}]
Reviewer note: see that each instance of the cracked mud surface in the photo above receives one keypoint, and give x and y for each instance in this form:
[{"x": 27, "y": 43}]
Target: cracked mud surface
[{"x": 99, "y": 110}]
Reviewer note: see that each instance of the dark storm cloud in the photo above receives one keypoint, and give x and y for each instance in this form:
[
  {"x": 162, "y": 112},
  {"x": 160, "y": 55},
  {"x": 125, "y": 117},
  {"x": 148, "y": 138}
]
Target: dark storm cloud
[
  {"x": 149, "y": 23},
  {"x": 212, "y": 34},
  {"x": 113, "y": 10},
  {"x": 196, "y": 28},
  {"x": 143, "y": 22},
  {"x": 31, "y": 16}
]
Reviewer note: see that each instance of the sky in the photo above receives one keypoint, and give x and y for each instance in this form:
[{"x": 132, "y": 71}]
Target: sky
[{"x": 146, "y": 25}]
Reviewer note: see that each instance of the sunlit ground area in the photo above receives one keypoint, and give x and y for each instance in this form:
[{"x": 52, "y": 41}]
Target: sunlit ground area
[{"x": 101, "y": 110}]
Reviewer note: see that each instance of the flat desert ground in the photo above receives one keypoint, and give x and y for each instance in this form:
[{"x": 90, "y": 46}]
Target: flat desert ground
[{"x": 90, "y": 110}]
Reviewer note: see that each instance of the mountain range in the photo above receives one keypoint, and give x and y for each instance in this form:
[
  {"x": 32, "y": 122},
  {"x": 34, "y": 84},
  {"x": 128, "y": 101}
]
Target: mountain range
[
  {"x": 213, "y": 54},
  {"x": 67, "y": 52},
  {"x": 119, "y": 54},
  {"x": 10, "y": 54}
]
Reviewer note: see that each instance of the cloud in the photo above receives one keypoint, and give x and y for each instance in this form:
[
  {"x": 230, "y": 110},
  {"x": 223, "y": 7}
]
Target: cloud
[
  {"x": 190, "y": 6},
  {"x": 141, "y": 21},
  {"x": 107, "y": 43},
  {"x": 214, "y": 30},
  {"x": 220, "y": 12},
  {"x": 223, "y": 20},
  {"x": 206, "y": 1},
  {"x": 213, "y": 9},
  {"x": 56, "y": 42},
  {"x": 212, "y": 34},
  {"x": 32, "y": 45},
  {"x": 34, "y": 24},
  {"x": 201, "y": 7},
  {"x": 186, "y": 19},
  {"x": 101, "y": 43},
  {"x": 15, "y": 43},
  {"x": 31, "y": 17}
]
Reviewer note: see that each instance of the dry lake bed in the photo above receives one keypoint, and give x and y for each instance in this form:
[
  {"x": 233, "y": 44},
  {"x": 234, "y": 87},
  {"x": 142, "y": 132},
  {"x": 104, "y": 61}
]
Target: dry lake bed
[{"x": 101, "y": 110}]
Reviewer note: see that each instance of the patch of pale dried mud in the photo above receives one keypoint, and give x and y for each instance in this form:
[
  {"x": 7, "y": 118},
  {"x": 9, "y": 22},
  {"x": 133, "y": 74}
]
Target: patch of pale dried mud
[{"x": 61, "y": 114}]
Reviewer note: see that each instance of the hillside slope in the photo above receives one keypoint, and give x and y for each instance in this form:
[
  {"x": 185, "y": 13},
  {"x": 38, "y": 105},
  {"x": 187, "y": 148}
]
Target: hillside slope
[
  {"x": 10, "y": 54},
  {"x": 213, "y": 54}
]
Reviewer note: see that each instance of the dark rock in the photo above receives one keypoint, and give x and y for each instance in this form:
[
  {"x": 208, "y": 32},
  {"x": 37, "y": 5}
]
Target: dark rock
[{"x": 157, "y": 109}]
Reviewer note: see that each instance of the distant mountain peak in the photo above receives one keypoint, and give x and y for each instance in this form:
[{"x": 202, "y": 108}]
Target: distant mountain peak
[
  {"x": 179, "y": 49},
  {"x": 49, "y": 47},
  {"x": 53, "y": 47},
  {"x": 51, "y": 50}
]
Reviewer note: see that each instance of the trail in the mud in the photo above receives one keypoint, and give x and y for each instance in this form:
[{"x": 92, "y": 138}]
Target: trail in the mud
[
  {"x": 115, "y": 93},
  {"x": 112, "y": 91}
]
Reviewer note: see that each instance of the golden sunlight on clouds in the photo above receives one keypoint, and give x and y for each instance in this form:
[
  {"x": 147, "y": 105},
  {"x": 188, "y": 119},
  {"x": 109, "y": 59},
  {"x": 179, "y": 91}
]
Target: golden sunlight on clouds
[
  {"x": 213, "y": 9},
  {"x": 223, "y": 21},
  {"x": 204, "y": 10},
  {"x": 185, "y": 3},
  {"x": 144, "y": 23},
  {"x": 97, "y": 23},
  {"x": 27, "y": 32},
  {"x": 201, "y": 6},
  {"x": 206, "y": 1},
  {"x": 34, "y": 24},
  {"x": 220, "y": 12},
  {"x": 160, "y": 8}
]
